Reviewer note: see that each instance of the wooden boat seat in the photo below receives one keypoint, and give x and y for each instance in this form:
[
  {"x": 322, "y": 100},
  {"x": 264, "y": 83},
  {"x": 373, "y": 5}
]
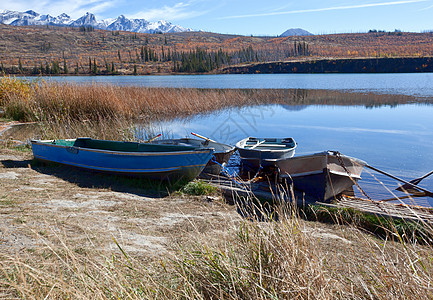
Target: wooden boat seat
[{"x": 264, "y": 145}]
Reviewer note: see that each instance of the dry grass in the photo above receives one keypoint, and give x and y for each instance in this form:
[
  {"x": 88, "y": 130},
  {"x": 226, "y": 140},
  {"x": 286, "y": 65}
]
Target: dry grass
[
  {"x": 65, "y": 110},
  {"x": 49, "y": 101},
  {"x": 288, "y": 259},
  {"x": 284, "y": 259},
  {"x": 36, "y": 45},
  {"x": 63, "y": 102}
]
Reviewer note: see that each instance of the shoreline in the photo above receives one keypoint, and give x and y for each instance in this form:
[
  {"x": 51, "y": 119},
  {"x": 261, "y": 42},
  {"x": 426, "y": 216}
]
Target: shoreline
[{"x": 309, "y": 65}]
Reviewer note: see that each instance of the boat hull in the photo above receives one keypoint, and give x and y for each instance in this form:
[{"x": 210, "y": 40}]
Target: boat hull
[
  {"x": 321, "y": 176},
  {"x": 168, "y": 165},
  {"x": 222, "y": 152}
]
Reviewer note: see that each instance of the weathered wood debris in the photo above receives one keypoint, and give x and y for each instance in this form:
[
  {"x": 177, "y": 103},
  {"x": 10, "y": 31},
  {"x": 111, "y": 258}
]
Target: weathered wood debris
[{"x": 273, "y": 192}]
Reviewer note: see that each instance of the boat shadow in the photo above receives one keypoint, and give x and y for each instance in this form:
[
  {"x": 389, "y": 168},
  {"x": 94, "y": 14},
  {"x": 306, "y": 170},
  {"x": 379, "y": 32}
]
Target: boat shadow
[{"x": 93, "y": 179}]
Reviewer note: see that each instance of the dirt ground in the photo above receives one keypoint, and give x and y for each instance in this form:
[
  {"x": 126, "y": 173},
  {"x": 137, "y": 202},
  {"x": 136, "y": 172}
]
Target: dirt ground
[
  {"x": 38, "y": 201},
  {"x": 92, "y": 212}
]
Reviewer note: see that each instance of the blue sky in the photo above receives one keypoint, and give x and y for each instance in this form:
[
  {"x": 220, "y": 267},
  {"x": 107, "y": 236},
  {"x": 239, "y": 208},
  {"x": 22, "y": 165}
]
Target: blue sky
[{"x": 252, "y": 17}]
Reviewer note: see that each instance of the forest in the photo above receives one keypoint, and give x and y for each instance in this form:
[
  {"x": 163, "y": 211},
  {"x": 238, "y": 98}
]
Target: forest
[{"x": 46, "y": 50}]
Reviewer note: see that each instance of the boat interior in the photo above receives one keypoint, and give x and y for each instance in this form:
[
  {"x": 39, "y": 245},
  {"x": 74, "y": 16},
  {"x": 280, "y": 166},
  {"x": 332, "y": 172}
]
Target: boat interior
[
  {"x": 119, "y": 146},
  {"x": 269, "y": 143}
]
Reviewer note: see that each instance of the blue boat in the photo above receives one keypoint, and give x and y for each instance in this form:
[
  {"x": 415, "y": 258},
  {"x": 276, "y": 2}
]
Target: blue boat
[
  {"x": 222, "y": 152},
  {"x": 165, "y": 162}
]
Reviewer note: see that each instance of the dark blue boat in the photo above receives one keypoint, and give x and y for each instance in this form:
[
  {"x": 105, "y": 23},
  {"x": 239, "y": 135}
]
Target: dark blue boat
[
  {"x": 155, "y": 161},
  {"x": 263, "y": 152}
]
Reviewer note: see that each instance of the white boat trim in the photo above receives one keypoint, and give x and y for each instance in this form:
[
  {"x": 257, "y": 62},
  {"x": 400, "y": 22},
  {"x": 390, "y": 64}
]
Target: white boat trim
[
  {"x": 344, "y": 174},
  {"x": 286, "y": 175}
]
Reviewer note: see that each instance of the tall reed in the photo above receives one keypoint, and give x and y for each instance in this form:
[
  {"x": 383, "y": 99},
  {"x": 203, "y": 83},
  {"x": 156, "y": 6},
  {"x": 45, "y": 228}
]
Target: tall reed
[
  {"x": 45, "y": 101},
  {"x": 283, "y": 259}
]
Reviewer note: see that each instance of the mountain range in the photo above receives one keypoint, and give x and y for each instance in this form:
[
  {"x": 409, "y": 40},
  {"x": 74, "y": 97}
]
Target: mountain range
[{"x": 122, "y": 23}]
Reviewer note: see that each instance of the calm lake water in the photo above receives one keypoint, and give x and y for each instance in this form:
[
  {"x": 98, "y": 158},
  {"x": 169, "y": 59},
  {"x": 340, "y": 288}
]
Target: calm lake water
[
  {"x": 397, "y": 139},
  {"x": 419, "y": 84}
]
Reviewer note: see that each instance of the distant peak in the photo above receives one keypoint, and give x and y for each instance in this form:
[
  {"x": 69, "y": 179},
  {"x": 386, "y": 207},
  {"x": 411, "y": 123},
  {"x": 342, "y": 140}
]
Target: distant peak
[
  {"x": 296, "y": 32},
  {"x": 32, "y": 12}
]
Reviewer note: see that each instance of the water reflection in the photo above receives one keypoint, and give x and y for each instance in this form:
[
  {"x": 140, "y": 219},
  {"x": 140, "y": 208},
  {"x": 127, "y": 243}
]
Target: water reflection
[
  {"x": 419, "y": 84},
  {"x": 398, "y": 139}
]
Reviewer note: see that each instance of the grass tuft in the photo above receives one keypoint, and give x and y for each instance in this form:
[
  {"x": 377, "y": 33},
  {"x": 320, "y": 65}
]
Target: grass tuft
[
  {"x": 284, "y": 259},
  {"x": 199, "y": 187}
]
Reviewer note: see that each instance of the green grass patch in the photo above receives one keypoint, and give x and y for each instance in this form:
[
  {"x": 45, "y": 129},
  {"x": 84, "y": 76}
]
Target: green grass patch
[
  {"x": 199, "y": 187},
  {"x": 402, "y": 229}
]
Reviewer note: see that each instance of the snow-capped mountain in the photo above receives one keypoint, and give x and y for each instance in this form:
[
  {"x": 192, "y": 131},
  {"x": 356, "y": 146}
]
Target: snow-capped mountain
[{"x": 120, "y": 23}]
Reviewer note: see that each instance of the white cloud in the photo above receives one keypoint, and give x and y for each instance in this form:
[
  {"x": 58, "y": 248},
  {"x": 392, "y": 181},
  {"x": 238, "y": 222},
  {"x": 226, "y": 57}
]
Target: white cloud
[
  {"x": 179, "y": 11},
  {"x": 325, "y": 9}
]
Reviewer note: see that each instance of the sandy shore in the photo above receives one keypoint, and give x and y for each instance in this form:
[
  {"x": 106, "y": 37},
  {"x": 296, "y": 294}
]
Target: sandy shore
[{"x": 52, "y": 202}]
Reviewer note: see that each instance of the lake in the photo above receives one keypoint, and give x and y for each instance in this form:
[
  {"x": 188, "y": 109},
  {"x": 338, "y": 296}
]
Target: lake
[
  {"x": 395, "y": 138},
  {"x": 418, "y": 84}
]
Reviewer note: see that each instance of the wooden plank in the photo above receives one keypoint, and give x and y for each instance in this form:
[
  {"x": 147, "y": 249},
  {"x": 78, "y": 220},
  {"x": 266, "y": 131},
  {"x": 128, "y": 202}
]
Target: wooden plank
[{"x": 261, "y": 190}]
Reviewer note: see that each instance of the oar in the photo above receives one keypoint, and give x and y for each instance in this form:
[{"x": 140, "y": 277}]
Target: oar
[
  {"x": 258, "y": 144},
  {"x": 428, "y": 193},
  {"x": 419, "y": 194},
  {"x": 413, "y": 181},
  {"x": 154, "y": 138},
  {"x": 203, "y": 137}
]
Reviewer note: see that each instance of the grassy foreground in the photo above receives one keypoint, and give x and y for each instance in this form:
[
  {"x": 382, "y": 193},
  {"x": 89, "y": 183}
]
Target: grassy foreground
[{"x": 284, "y": 259}]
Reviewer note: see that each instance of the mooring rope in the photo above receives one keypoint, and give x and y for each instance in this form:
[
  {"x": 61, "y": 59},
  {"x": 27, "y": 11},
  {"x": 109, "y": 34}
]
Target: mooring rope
[{"x": 233, "y": 177}]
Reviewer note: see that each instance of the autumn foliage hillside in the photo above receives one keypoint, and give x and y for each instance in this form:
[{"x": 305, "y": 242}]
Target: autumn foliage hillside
[{"x": 56, "y": 50}]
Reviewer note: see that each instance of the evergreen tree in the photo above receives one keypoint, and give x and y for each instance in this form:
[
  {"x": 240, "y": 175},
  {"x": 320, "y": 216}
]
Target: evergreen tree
[
  {"x": 55, "y": 68},
  {"x": 20, "y": 65},
  {"x": 65, "y": 67},
  {"x": 95, "y": 67},
  {"x": 35, "y": 70}
]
